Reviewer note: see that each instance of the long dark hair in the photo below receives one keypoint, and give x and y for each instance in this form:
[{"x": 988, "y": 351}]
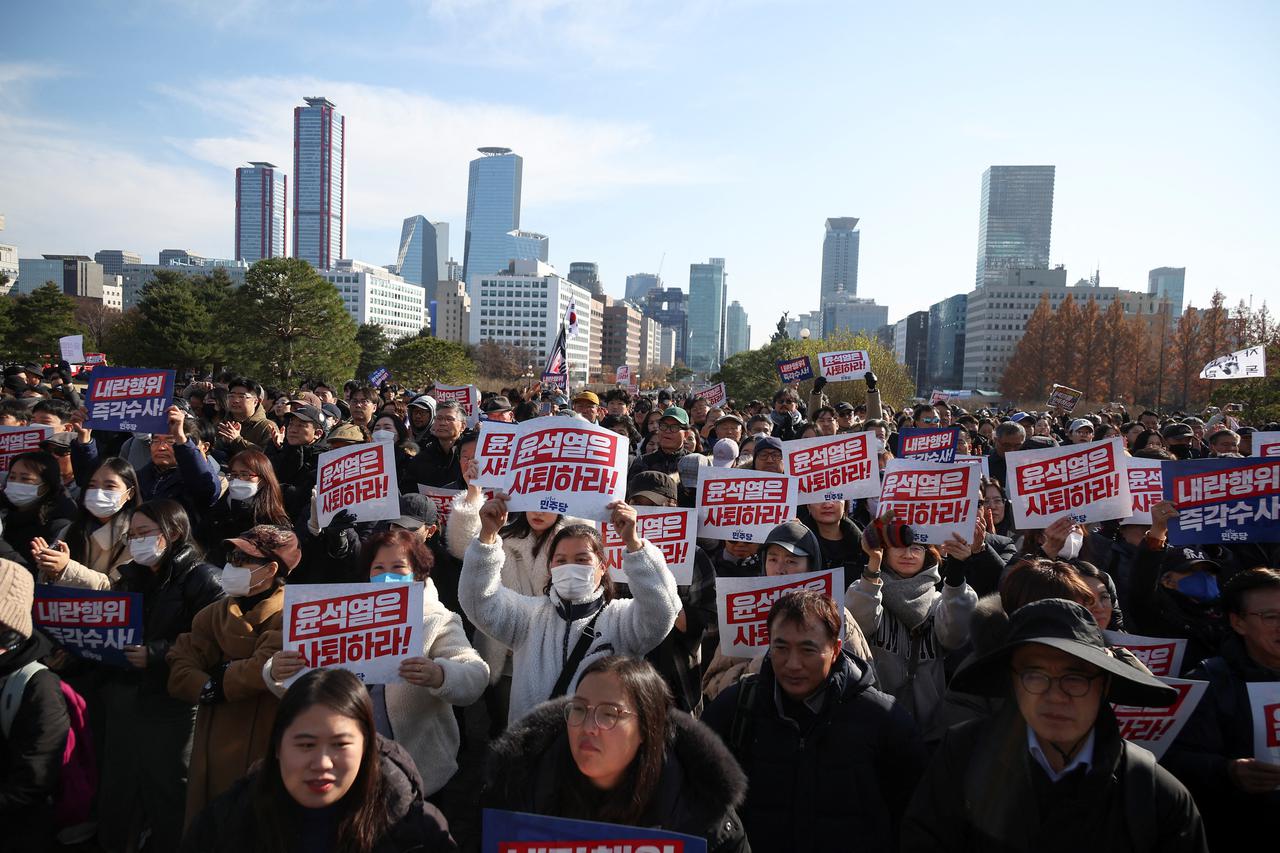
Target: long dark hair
[
  {"x": 364, "y": 816},
  {"x": 584, "y": 531},
  {"x": 629, "y": 801},
  {"x": 172, "y": 520},
  {"x": 79, "y": 532},
  {"x": 518, "y": 528},
  {"x": 50, "y": 477},
  {"x": 267, "y": 504}
]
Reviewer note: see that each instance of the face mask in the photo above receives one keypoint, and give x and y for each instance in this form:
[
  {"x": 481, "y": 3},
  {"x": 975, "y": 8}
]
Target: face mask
[
  {"x": 573, "y": 581},
  {"x": 242, "y": 490},
  {"x": 145, "y": 550},
  {"x": 1200, "y": 586},
  {"x": 391, "y": 577},
  {"x": 236, "y": 580},
  {"x": 1071, "y": 548},
  {"x": 384, "y": 435},
  {"x": 210, "y": 412},
  {"x": 21, "y": 494},
  {"x": 103, "y": 502}
]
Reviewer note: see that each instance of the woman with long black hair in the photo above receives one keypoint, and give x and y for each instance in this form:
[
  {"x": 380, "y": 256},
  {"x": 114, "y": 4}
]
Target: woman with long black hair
[
  {"x": 253, "y": 497},
  {"x": 96, "y": 544},
  {"x": 34, "y": 503}
]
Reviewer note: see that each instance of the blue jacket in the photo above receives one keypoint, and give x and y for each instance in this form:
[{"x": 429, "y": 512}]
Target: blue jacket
[{"x": 194, "y": 483}]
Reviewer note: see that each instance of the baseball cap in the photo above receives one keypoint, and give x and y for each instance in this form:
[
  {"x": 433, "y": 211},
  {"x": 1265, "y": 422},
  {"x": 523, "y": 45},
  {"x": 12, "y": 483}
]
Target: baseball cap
[
  {"x": 346, "y": 432},
  {"x": 768, "y": 442},
  {"x": 496, "y": 404},
  {"x": 586, "y": 396},
  {"x": 270, "y": 542},
  {"x": 1188, "y": 559},
  {"x": 1019, "y": 417},
  {"x": 725, "y": 453},
  {"x": 1081, "y": 423},
  {"x": 306, "y": 414},
  {"x": 1177, "y": 431},
  {"x": 795, "y": 538},
  {"x": 730, "y": 417},
  {"x": 654, "y": 485},
  {"x": 415, "y": 511},
  {"x": 845, "y": 407},
  {"x": 60, "y": 441},
  {"x": 676, "y": 413}
]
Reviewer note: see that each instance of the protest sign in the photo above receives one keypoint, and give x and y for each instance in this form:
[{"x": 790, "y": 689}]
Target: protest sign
[
  {"x": 72, "y": 347},
  {"x": 936, "y": 499},
  {"x": 1161, "y": 656},
  {"x": 442, "y": 499},
  {"x": 833, "y": 467},
  {"x": 846, "y": 364},
  {"x": 466, "y": 396},
  {"x": 1156, "y": 728},
  {"x": 1248, "y": 363},
  {"x": 367, "y": 628},
  {"x": 1064, "y": 398},
  {"x": 1266, "y": 445},
  {"x": 555, "y": 380},
  {"x": 379, "y": 376},
  {"x": 622, "y": 375},
  {"x": 1144, "y": 488},
  {"x": 715, "y": 395},
  {"x": 795, "y": 369},
  {"x": 1264, "y": 700},
  {"x": 128, "y": 399},
  {"x": 1223, "y": 500},
  {"x": 930, "y": 444},
  {"x": 20, "y": 439},
  {"x": 517, "y": 832},
  {"x": 938, "y": 397},
  {"x": 743, "y": 505},
  {"x": 1085, "y": 482},
  {"x": 562, "y": 465},
  {"x": 673, "y": 530},
  {"x": 980, "y": 461},
  {"x": 92, "y": 624},
  {"x": 744, "y": 603},
  {"x": 95, "y": 359},
  {"x": 361, "y": 478}
]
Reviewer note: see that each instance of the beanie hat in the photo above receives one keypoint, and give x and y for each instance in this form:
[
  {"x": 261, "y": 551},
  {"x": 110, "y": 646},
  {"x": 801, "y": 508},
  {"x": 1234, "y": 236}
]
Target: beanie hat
[{"x": 17, "y": 593}]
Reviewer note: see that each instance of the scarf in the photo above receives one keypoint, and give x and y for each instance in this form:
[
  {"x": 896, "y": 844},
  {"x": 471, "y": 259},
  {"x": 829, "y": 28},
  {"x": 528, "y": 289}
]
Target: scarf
[{"x": 910, "y": 599}]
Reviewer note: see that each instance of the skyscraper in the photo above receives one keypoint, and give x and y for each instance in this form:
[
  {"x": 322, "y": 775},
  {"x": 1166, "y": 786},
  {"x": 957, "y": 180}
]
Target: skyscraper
[
  {"x": 319, "y": 167},
  {"x": 840, "y": 258},
  {"x": 113, "y": 260},
  {"x": 737, "y": 335},
  {"x": 586, "y": 274},
  {"x": 424, "y": 251},
  {"x": 639, "y": 285},
  {"x": 946, "y": 342},
  {"x": 261, "y": 190},
  {"x": 493, "y": 212},
  {"x": 706, "y": 315},
  {"x": 670, "y": 307},
  {"x": 1014, "y": 221},
  {"x": 1168, "y": 283}
]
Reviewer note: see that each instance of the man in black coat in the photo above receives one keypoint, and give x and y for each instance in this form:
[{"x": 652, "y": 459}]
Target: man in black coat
[
  {"x": 438, "y": 462},
  {"x": 830, "y": 760},
  {"x": 666, "y": 459}
]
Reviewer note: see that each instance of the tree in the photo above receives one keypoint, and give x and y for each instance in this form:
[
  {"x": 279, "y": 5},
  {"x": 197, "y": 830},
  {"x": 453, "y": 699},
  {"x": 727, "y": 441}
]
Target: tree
[
  {"x": 6, "y": 327},
  {"x": 1184, "y": 364},
  {"x": 1027, "y": 375},
  {"x": 290, "y": 323},
  {"x": 374, "y": 345},
  {"x": 680, "y": 372},
  {"x": 97, "y": 321},
  {"x": 1087, "y": 340},
  {"x": 175, "y": 328},
  {"x": 1110, "y": 350},
  {"x": 39, "y": 319},
  {"x": 419, "y": 362},
  {"x": 781, "y": 333},
  {"x": 1260, "y": 397},
  {"x": 1063, "y": 354},
  {"x": 502, "y": 362}
]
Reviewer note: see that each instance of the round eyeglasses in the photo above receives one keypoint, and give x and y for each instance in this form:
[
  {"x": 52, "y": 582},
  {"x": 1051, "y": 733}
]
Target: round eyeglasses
[
  {"x": 1073, "y": 684},
  {"x": 605, "y": 715}
]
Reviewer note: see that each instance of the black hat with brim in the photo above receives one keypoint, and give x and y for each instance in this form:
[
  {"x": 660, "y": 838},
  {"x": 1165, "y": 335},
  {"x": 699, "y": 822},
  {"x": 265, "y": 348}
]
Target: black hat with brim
[{"x": 1068, "y": 627}]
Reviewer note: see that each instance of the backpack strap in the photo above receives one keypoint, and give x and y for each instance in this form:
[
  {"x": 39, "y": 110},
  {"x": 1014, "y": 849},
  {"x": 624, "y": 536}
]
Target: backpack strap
[
  {"x": 15, "y": 684},
  {"x": 579, "y": 652},
  {"x": 741, "y": 725}
]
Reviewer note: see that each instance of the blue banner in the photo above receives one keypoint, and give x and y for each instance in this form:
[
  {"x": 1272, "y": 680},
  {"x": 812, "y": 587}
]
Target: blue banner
[
  {"x": 555, "y": 380},
  {"x": 129, "y": 399},
  {"x": 795, "y": 369},
  {"x": 1223, "y": 500},
  {"x": 928, "y": 443},
  {"x": 89, "y": 623},
  {"x": 516, "y": 832},
  {"x": 379, "y": 376}
]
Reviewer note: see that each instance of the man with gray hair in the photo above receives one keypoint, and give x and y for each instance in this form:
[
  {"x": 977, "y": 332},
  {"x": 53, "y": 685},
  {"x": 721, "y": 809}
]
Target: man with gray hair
[
  {"x": 437, "y": 462},
  {"x": 1008, "y": 437}
]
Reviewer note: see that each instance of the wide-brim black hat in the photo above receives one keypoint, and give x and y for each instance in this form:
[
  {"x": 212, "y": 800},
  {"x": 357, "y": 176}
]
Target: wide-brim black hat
[{"x": 1068, "y": 627}]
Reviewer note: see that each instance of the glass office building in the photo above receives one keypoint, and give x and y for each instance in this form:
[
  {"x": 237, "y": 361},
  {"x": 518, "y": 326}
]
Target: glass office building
[
  {"x": 319, "y": 165},
  {"x": 261, "y": 190},
  {"x": 493, "y": 212},
  {"x": 1014, "y": 221},
  {"x": 946, "y": 342},
  {"x": 840, "y": 258},
  {"x": 424, "y": 251},
  {"x": 706, "y": 316},
  {"x": 1168, "y": 283}
]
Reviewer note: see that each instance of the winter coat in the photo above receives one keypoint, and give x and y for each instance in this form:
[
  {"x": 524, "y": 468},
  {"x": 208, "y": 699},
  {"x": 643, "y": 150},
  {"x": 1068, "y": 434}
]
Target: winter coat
[
  {"x": 1219, "y": 731},
  {"x": 983, "y": 570},
  {"x": 225, "y": 520},
  {"x": 233, "y": 733},
  {"x": 295, "y": 469},
  {"x": 31, "y": 754},
  {"x": 256, "y": 433},
  {"x": 917, "y": 684},
  {"x": 984, "y": 792},
  {"x": 698, "y": 792},
  {"x": 105, "y": 552},
  {"x": 194, "y": 483},
  {"x": 433, "y": 466},
  {"x": 848, "y": 774},
  {"x": 542, "y": 630},
  {"x": 416, "y": 826},
  {"x": 1157, "y": 611},
  {"x": 658, "y": 460},
  {"x": 23, "y": 525},
  {"x": 422, "y": 718}
]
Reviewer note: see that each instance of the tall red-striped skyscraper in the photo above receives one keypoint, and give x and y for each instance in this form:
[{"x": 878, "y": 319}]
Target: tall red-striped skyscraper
[
  {"x": 261, "y": 193},
  {"x": 319, "y": 161}
]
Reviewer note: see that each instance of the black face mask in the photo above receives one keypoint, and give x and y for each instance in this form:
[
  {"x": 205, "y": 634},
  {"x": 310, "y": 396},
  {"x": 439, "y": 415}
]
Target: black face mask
[{"x": 210, "y": 412}]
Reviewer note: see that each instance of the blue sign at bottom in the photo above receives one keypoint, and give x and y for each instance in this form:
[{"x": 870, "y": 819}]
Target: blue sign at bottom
[{"x": 517, "y": 832}]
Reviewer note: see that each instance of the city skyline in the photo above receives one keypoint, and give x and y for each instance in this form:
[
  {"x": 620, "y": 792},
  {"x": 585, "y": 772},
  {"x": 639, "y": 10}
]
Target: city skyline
[{"x": 618, "y": 170}]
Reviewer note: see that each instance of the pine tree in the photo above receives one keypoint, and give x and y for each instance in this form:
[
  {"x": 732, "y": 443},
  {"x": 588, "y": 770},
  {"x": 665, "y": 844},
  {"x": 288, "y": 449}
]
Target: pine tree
[
  {"x": 39, "y": 319},
  {"x": 420, "y": 361}
]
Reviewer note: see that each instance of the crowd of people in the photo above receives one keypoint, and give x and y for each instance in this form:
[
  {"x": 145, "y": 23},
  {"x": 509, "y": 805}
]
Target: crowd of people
[{"x": 954, "y": 697}]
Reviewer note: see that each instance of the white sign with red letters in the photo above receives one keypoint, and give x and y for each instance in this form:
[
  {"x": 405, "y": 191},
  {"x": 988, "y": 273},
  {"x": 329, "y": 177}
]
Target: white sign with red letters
[
  {"x": 743, "y": 505},
  {"x": 744, "y": 604},
  {"x": 1156, "y": 728},
  {"x": 936, "y": 498},
  {"x": 1085, "y": 482},
  {"x": 843, "y": 365},
  {"x": 672, "y": 530},
  {"x": 368, "y": 628},
  {"x": 360, "y": 478},
  {"x": 833, "y": 467}
]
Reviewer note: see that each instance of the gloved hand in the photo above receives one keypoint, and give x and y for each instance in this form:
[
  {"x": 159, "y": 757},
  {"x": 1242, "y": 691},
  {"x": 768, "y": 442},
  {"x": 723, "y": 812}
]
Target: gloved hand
[
  {"x": 211, "y": 693},
  {"x": 819, "y": 384},
  {"x": 871, "y": 380},
  {"x": 953, "y": 571},
  {"x": 336, "y": 533}
]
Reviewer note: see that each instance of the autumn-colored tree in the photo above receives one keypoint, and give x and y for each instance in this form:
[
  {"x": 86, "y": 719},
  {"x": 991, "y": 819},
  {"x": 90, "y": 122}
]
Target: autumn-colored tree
[
  {"x": 1064, "y": 355},
  {"x": 1087, "y": 339},
  {"x": 1027, "y": 374},
  {"x": 1110, "y": 350},
  {"x": 1260, "y": 397},
  {"x": 1183, "y": 360}
]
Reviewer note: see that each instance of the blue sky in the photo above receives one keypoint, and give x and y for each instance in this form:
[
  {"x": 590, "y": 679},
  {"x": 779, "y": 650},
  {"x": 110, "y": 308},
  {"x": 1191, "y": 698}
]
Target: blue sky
[{"x": 676, "y": 130}]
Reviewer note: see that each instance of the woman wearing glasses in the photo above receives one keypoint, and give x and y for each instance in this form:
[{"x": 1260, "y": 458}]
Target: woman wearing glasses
[
  {"x": 615, "y": 752},
  {"x": 253, "y": 497}
]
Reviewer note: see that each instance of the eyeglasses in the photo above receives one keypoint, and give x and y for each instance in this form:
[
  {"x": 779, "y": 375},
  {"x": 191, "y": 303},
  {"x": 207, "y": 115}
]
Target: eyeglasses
[
  {"x": 670, "y": 427},
  {"x": 930, "y": 420},
  {"x": 993, "y": 501},
  {"x": 605, "y": 715},
  {"x": 239, "y": 395},
  {"x": 1073, "y": 684},
  {"x": 1270, "y": 618}
]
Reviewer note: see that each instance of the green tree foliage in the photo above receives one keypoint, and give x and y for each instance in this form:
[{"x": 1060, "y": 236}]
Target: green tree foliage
[
  {"x": 420, "y": 361},
  {"x": 289, "y": 323},
  {"x": 175, "y": 327},
  {"x": 1260, "y": 397},
  {"x": 37, "y": 321},
  {"x": 680, "y": 372},
  {"x": 374, "y": 345}
]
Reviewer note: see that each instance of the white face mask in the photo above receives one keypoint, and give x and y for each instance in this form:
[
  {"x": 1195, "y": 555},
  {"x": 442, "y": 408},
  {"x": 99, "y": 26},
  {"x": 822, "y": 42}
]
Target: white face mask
[
  {"x": 242, "y": 490},
  {"x": 21, "y": 494},
  {"x": 1071, "y": 548},
  {"x": 388, "y": 435},
  {"x": 103, "y": 503},
  {"x": 573, "y": 581},
  {"x": 237, "y": 580},
  {"x": 145, "y": 550}
]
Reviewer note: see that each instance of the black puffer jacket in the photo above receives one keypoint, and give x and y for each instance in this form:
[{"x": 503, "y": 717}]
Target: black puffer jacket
[
  {"x": 23, "y": 525},
  {"x": 1157, "y": 611},
  {"x": 698, "y": 794},
  {"x": 226, "y": 824},
  {"x": 31, "y": 754},
  {"x": 295, "y": 470},
  {"x": 847, "y": 776}
]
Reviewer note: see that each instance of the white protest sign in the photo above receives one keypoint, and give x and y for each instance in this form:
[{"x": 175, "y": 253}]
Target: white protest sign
[
  {"x": 493, "y": 454},
  {"x": 1064, "y": 398},
  {"x": 1264, "y": 700},
  {"x": 833, "y": 467},
  {"x": 1248, "y": 363},
  {"x": 1266, "y": 444},
  {"x": 72, "y": 347},
  {"x": 361, "y": 478},
  {"x": 715, "y": 395},
  {"x": 466, "y": 396},
  {"x": 980, "y": 461},
  {"x": 673, "y": 530},
  {"x": 743, "y": 505},
  {"x": 622, "y": 376},
  {"x": 1145, "y": 487},
  {"x": 561, "y": 465},
  {"x": 1160, "y": 655},
  {"x": 936, "y": 498},
  {"x": 846, "y": 364},
  {"x": 368, "y": 628},
  {"x": 20, "y": 439},
  {"x": 744, "y": 604},
  {"x": 1156, "y": 728},
  {"x": 1085, "y": 482}
]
